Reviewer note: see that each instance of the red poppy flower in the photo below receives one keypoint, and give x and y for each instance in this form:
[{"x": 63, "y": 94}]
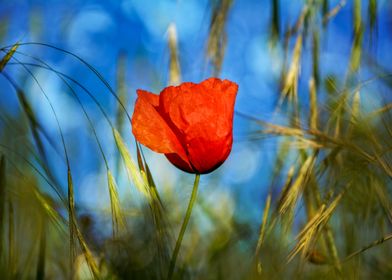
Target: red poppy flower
[{"x": 192, "y": 124}]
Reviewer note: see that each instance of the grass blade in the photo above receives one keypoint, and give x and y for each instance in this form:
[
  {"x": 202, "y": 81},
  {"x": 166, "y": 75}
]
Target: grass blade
[
  {"x": 130, "y": 165},
  {"x": 371, "y": 245},
  {"x": 275, "y": 21},
  {"x": 40, "y": 272},
  {"x": 290, "y": 85},
  {"x": 313, "y": 114},
  {"x": 12, "y": 261},
  {"x": 217, "y": 38},
  {"x": 118, "y": 219},
  {"x": 75, "y": 233},
  {"x": 8, "y": 56},
  {"x": 174, "y": 62},
  {"x": 293, "y": 193},
  {"x": 263, "y": 226},
  {"x": 2, "y": 202},
  {"x": 71, "y": 223}
]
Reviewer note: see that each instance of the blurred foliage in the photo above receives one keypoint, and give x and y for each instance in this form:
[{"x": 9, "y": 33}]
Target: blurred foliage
[{"x": 328, "y": 212}]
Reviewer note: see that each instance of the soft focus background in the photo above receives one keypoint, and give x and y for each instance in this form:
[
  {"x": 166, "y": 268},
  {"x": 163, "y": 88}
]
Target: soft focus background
[{"x": 311, "y": 131}]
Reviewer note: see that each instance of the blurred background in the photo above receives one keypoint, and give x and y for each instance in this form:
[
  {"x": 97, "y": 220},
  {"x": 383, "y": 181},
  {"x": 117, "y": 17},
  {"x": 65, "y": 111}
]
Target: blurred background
[{"x": 310, "y": 73}]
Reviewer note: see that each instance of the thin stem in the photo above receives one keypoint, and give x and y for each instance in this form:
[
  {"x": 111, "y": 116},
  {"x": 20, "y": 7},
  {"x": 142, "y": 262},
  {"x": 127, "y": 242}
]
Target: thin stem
[
  {"x": 371, "y": 245},
  {"x": 183, "y": 227}
]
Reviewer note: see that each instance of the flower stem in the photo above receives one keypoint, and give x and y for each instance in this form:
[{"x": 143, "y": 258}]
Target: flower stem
[{"x": 183, "y": 227}]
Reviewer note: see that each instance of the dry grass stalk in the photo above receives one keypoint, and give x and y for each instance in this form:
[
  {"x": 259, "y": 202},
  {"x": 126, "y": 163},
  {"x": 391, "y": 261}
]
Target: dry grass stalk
[
  {"x": 290, "y": 85},
  {"x": 75, "y": 233},
  {"x": 310, "y": 233},
  {"x": 371, "y": 245},
  {"x": 334, "y": 11},
  {"x": 313, "y": 114},
  {"x": 8, "y": 56},
  {"x": 263, "y": 224},
  {"x": 292, "y": 195},
  {"x": 118, "y": 219},
  {"x": 137, "y": 177},
  {"x": 174, "y": 62},
  {"x": 217, "y": 38}
]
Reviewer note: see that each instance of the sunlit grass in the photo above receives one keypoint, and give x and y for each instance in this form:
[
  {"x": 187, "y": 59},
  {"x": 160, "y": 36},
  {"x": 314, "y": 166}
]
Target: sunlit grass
[{"x": 328, "y": 211}]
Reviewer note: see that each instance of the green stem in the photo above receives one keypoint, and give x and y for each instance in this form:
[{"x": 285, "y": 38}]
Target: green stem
[{"x": 183, "y": 227}]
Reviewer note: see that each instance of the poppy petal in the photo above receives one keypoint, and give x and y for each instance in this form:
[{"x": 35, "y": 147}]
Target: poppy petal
[
  {"x": 200, "y": 119},
  {"x": 185, "y": 105},
  {"x": 203, "y": 115},
  {"x": 180, "y": 163},
  {"x": 150, "y": 97},
  {"x": 207, "y": 153},
  {"x": 225, "y": 92},
  {"x": 211, "y": 102},
  {"x": 150, "y": 129}
]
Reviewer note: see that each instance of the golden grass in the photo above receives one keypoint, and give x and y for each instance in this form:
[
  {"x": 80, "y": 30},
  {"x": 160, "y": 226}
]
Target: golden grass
[
  {"x": 139, "y": 178},
  {"x": 174, "y": 61},
  {"x": 328, "y": 205}
]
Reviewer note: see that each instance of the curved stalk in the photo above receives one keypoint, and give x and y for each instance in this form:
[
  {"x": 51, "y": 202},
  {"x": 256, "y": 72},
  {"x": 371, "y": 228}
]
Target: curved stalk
[{"x": 183, "y": 227}]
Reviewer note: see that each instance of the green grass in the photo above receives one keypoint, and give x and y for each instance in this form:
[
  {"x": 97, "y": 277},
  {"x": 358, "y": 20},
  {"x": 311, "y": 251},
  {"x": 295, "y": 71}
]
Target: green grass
[{"x": 328, "y": 212}]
